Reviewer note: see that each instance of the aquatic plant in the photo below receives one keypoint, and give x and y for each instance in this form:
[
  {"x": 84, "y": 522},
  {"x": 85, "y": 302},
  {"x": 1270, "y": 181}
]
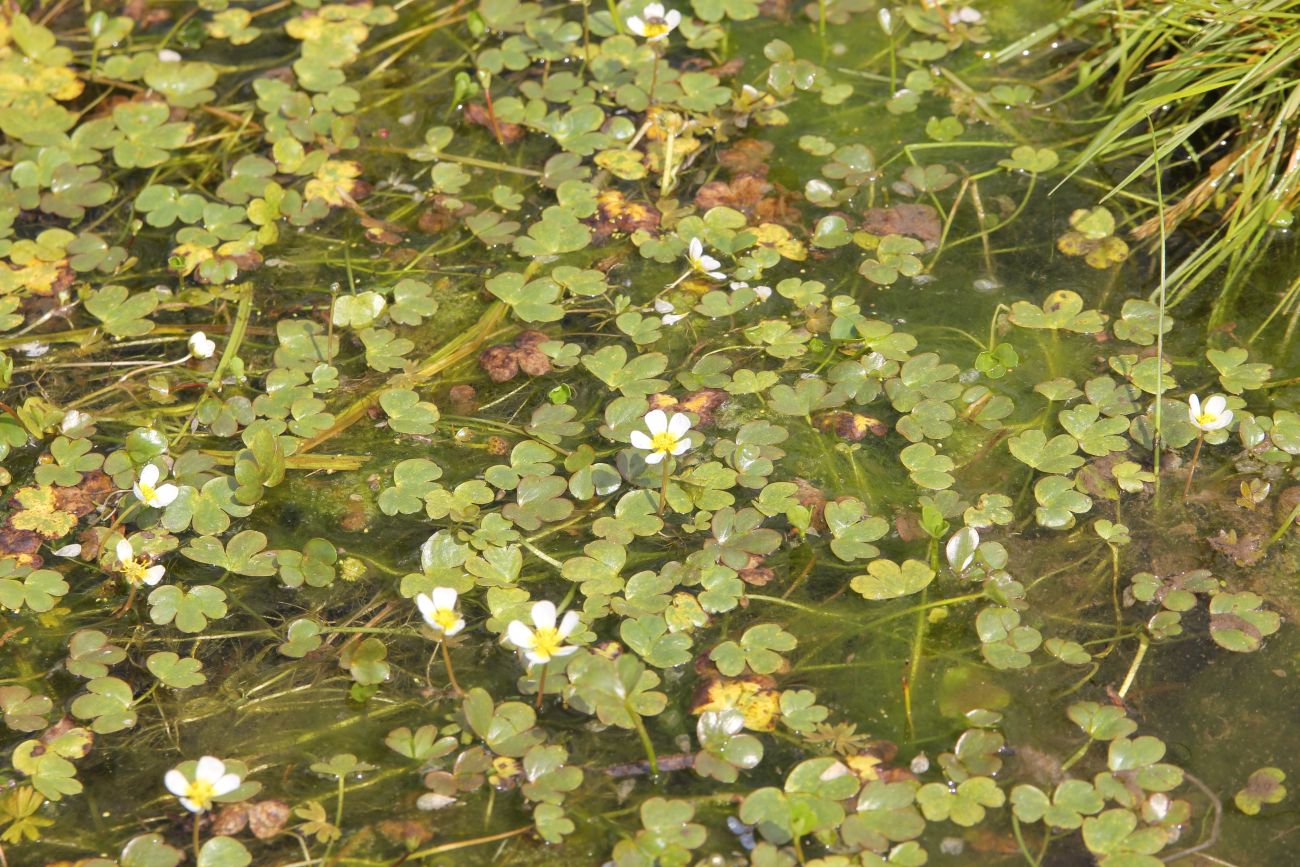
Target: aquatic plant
[{"x": 699, "y": 384}]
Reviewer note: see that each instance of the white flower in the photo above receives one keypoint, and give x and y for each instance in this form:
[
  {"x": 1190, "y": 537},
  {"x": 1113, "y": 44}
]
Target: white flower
[
  {"x": 666, "y": 309},
  {"x": 546, "y": 641},
  {"x": 210, "y": 781},
  {"x": 169, "y": 56},
  {"x": 1214, "y": 415},
  {"x": 654, "y": 23},
  {"x": 148, "y": 491},
  {"x": 667, "y": 435},
  {"x": 201, "y": 346},
  {"x": 965, "y": 15},
  {"x": 136, "y": 570},
  {"x": 439, "y": 610},
  {"x": 702, "y": 262}
]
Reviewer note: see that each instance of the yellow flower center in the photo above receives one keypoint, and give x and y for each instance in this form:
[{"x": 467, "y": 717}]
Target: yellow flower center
[
  {"x": 135, "y": 570},
  {"x": 201, "y": 793},
  {"x": 656, "y": 27},
  {"x": 547, "y": 641},
  {"x": 445, "y": 618},
  {"x": 147, "y": 492},
  {"x": 1206, "y": 418},
  {"x": 663, "y": 442}
]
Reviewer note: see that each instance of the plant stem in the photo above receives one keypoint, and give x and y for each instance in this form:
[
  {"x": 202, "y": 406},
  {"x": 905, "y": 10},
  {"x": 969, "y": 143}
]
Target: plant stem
[
  {"x": 541, "y": 687},
  {"x": 451, "y": 675},
  {"x": 1196, "y": 456},
  {"x": 197, "y": 817},
  {"x": 1143, "y": 644},
  {"x": 663, "y": 489},
  {"x": 645, "y": 743},
  {"x": 1281, "y": 530}
]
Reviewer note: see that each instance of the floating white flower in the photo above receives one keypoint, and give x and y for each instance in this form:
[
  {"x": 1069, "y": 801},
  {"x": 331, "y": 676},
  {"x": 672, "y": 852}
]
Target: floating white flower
[
  {"x": 667, "y": 435},
  {"x": 210, "y": 781},
  {"x": 668, "y": 315},
  {"x": 201, "y": 346},
  {"x": 654, "y": 23},
  {"x": 545, "y": 641},
  {"x": 148, "y": 491},
  {"x": 965, "y": 15},
  {"x": 136, "y": 570},
  {"x": 703, "y": 262},
  {"x": 439, "y": 610},
  {"x": 1213, "y": 415}
]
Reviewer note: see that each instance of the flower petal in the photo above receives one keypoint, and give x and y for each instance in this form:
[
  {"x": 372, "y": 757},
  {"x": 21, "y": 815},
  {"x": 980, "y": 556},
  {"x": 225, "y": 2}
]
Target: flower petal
[
  {"x": 176, "y": 782},
  {"x": 1221, "y": 422},
  {"x": 154, "y": 574},
  {"x": 455, "y": 627},
  {"x": 680, "y": 446},
  {"x": 149, "y": 475},
  {"x": 641, "y": 440},
  {"x": 520, "y": 635},
  {"x": 225, "y": 784},
  {"x": 124, "y": 551},
  {"x": 191, "y": 806},
  {"x": 696, "y": 248},
  {"x": 568, "y": 624},
  {"x": 444, "y": 597},
  {"x": 654, "y": 457},
  {"x": 543, "y": 614},
  {"x": 656, "y": 421},
  {"x": 565, "y": 651},
  {"x": 679, "y": 424},
  {"x": 653, "y": 10},
  {"x": 425, "y": 604},
  {"x": 209, "y": 768},
  {"x": 1215, "y": 405},
  {"x": 672, "y": 18},
  {"x": 164, "y": 496}
]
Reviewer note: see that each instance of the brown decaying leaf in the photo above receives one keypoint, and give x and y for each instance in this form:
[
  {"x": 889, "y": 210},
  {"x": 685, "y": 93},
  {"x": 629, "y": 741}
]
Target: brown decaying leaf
[
  {"x": 462, "y": 399},
  {"x": 851, "y": 426},
  {"x": 704, "y": 403},
  {"x": 747, "y": 156},
  {"x": 615, "y": 215},
  {"x": 742, "y": 193},
  {"x": 84, "y": 497},
  {"x": 912, "y": 220},
  {"x": 502, "y": 362},
  {"x": 813, "y": 499},
  {"x": 756, "y": 573},
  {"x": 476, "y": 112},
  {"x": 1245, "y": 550}
]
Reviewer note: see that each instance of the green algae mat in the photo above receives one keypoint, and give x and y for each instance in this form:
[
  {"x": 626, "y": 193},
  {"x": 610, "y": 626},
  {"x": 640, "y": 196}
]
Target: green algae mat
[{"x": 719, "y": 432}]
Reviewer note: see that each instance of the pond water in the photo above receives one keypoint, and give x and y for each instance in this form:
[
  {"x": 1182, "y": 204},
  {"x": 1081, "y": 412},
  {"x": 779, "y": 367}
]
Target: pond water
[{"x": 921, "y": 585}]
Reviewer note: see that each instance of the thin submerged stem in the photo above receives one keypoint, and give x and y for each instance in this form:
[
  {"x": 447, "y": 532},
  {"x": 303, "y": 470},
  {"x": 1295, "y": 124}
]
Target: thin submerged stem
[
  {"x": 1196, "y": 456},
  {"x": 451, "y": 674},
  {"x": 541, "y": 687},
  {"x": 649, "y": 748}
]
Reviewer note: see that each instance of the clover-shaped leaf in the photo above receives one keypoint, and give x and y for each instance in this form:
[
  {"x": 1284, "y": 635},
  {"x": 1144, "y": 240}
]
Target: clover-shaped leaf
[
  {"x": 1238, "y": 623},
  {"x": 964, "y": 804},
  {"x": 886, "y": 579},
  {"x": 1264, "y": 786},
  {"x": 1062, "y": 310},
  {"x": 190, "y": 609},
  {"x": 107, "y": 702},
  {"x": 926, "y": 467},
  {"x": 407, "y": 413},
  {"x": 1059, "y": 502},
  {"x": 173, "y": 671},
  {"x": 758, "y": 649},
  {"x": 1235, "y": 374}
]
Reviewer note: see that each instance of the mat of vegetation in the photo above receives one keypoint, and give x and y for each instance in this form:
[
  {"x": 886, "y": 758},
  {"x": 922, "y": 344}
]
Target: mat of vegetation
[{"x": 716, "y": 432}]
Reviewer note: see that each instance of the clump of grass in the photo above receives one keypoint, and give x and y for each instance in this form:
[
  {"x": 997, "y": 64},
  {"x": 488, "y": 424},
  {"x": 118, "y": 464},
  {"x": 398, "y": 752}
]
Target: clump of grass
[{"x": 1214, "y": 80}]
